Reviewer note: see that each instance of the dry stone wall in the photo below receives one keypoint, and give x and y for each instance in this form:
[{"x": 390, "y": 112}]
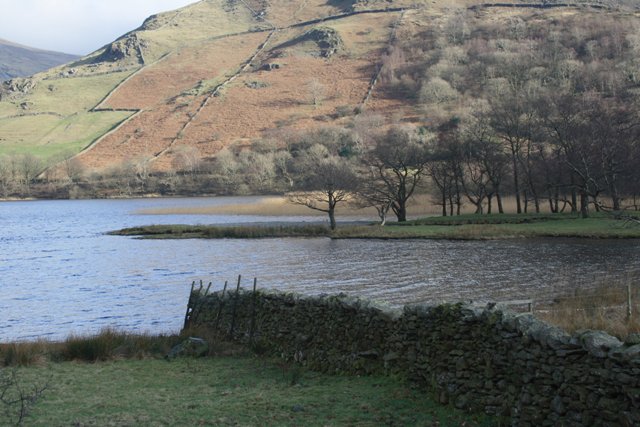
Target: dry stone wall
[{"x": 481, "y": 359}]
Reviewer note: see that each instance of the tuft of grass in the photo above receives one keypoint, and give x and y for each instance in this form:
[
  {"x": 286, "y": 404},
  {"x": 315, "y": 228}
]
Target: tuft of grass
[
  {"x": 24, "y": 354},
  {"x": 110, "y": 344}
]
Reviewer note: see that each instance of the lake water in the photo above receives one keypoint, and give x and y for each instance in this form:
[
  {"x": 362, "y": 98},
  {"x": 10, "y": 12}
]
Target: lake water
[{"x": 61, "y": 275}]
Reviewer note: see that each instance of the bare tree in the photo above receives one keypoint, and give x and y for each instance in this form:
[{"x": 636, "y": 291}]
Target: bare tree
[
  {"x": 511, "y": 118},
  {"x": 317, "y": 92},
  {"x": 28, "y": 168},
  {"x": 329, "y": 182},
  {"x": 7, "y": 178},
  {"x": 398, "y": 161},
  {"x": 371, "y": 193},
  {"x": 16, "y": 397},
  {"x": 187, "y": 159}
]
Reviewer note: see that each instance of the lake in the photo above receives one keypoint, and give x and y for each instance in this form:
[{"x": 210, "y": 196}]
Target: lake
[{"x": 60, "y": 274}]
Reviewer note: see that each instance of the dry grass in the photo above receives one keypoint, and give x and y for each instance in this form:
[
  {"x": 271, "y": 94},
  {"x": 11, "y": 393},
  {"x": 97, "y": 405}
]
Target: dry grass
[
  {"x": 601, "y": 308},
  {"x": 281, "y": 206},
  {"x": 419, "y": 206}
]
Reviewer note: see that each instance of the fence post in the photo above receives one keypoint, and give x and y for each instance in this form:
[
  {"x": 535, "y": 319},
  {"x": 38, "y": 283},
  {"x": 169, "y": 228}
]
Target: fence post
[
  {"x": 629, "y": 310},
  {"x": 197, "y": 308},
  {"x": 186, "y": 316},
  {"x": 252, "y": 328},
  {"x": 224, "y": 290},
  {"x": 235, "y": 308}
]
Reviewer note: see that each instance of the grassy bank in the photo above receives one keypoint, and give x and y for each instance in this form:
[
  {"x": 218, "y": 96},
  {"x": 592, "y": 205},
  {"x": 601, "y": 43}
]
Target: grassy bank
[
  {"x": 471, "y": 227},
  {"x": 223, "y": 232},
  {"x": 231, "y": 386}
]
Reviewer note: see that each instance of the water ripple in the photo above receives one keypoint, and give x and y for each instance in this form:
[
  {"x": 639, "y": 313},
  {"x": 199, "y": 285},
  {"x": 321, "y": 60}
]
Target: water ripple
[{"x": 60, "y": 274}]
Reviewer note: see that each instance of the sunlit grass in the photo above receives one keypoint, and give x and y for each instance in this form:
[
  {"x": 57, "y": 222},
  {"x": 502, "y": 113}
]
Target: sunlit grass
[{"x": 51, "y": 137}]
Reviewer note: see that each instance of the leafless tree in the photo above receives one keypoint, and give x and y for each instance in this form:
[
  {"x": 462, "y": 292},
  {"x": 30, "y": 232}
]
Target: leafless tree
[
  {"x": 16, "y": 397},
  {"x": 317, "y": 92},
  {"x": 328, "y": 182},
  {"x": 398, "y": 162}
]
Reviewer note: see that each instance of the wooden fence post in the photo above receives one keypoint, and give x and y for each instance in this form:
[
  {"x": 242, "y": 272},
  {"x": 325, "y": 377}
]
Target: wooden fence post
[
  {"x": 629, "y": 309},
  {"x": 235, "y": 308},
  {"x": 186, "y": 316},
  {"x": 253, "y": 310},
  {"x": 224, "y": 290},
  {"x": 195, "y": 311}
]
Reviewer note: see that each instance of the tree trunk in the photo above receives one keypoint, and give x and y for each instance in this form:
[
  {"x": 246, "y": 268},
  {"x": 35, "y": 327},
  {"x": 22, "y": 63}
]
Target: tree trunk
[
  {"x": 584, "y": 205},
  {"x": 616, "y": 200},
  {"x": 574, "y": 196},
  {"x": 500, "y": 207},
  {"x": 332, "y": 217},
  {"x": 401, "y": 212},
  {"x": 516, "y": 180},
  {"x": 489, "y": 203}
]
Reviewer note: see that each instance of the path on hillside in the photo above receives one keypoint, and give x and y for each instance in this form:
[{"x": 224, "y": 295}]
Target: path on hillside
[
  {"x": 272, "y": 31},
  {"x": 216, "y": 92}
]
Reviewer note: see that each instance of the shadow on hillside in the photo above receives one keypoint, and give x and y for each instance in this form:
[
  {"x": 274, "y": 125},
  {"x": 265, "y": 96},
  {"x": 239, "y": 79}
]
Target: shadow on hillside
[{"x": 342, "y": 5}]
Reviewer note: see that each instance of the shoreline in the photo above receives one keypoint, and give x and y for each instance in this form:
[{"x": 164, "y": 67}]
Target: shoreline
[{"x": 464, "y": 227}]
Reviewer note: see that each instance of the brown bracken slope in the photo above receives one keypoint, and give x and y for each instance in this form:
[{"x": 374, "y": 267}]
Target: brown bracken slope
[{"x": 219, "y": 73}]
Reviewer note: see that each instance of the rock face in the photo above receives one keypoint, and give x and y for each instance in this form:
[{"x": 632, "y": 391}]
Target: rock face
[
  {"x": 327, "y": 39},
  {"x": 126, "y": 48},
  {"x": 326, "y": 42},
  {"x": 16, "y": 87},
  {"x": 477, "y": 358}
]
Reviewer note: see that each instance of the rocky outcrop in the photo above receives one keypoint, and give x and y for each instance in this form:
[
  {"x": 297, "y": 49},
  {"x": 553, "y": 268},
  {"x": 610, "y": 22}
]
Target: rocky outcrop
[
  {"x": 16, "y": 87},
  {"x": 476, "y": 358},
  {"x": 128, "y": 48},
  {"x": 326, "y": 42},
  {"x": 327, "y": 39}
]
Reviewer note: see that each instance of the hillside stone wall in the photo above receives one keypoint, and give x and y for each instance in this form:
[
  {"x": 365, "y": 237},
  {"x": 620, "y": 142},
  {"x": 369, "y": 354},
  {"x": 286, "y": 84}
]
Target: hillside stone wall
[{"x": 481, "y": 359}]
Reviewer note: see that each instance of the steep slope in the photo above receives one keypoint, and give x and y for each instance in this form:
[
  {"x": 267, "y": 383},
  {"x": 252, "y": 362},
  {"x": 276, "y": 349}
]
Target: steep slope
[
  {"x": 22, "y": 61},
  {"x": 220, "y": 73},
  {"x": 53, "y": 115}
]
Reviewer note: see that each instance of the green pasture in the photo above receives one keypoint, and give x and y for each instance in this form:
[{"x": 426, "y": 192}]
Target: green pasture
[{"x": 239, "y": 390}]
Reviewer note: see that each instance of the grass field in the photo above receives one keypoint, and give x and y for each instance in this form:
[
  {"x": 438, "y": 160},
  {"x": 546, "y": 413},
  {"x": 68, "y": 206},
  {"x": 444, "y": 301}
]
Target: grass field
[
  {"x": 225, "y": 391},
  {"x": 52, "y": 137},
  {"x": 231, "y": 386},
  {"x": 53, "y": 125}
]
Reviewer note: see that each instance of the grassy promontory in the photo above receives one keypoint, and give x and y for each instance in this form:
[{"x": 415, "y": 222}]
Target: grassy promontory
[{"x": 463, "y": 227}]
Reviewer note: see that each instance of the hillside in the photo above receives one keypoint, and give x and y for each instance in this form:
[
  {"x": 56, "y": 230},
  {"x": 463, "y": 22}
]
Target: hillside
[
  {"x": 189, "y": 83},
  {"x": 22, "y": 61}
]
